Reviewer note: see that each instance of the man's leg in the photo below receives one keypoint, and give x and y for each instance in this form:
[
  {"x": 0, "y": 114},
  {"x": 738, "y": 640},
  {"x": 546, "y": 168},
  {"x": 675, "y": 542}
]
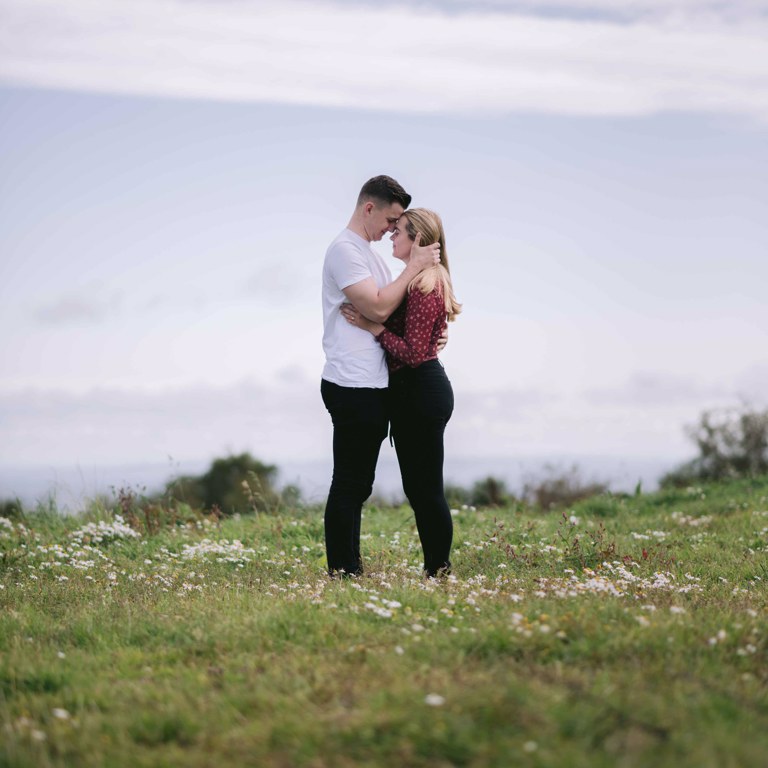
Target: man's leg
[{"x": 360, "y": 422}]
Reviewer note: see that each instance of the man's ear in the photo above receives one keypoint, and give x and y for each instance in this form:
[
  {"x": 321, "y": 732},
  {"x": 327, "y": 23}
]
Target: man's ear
[{"x": 368, "y": 207}]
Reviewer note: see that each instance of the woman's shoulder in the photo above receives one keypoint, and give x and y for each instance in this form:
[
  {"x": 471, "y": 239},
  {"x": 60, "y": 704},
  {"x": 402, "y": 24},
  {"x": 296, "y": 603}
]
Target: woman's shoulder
[{"x": 417, "y": 293}]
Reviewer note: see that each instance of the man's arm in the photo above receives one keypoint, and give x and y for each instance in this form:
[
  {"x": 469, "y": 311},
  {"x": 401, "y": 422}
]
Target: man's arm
[
  {"x": 378, "y": 304},
  {"x": 353, "y": 316}
]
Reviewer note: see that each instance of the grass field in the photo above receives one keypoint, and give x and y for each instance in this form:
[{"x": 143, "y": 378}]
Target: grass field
[{"x": 628, "y": 631}]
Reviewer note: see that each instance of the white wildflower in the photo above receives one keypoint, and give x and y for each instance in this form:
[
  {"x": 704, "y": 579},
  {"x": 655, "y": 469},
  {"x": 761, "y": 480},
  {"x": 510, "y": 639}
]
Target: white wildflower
[
  {"x": 102, "y": 532},
  {"x": 224, "y": 551}
]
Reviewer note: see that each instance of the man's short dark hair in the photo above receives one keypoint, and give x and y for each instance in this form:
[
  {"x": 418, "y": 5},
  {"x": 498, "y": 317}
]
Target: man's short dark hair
[{"x": 383, "y": 189}]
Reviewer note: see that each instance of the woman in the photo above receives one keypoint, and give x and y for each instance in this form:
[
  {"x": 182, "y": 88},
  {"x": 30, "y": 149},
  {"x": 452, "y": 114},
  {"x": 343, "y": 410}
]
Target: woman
[{"x": 421, "y": 397}]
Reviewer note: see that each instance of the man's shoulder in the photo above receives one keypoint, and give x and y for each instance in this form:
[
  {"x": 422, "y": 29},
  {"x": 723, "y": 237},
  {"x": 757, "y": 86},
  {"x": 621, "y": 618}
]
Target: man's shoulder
[
  {"x": 348, "y": 241},
  {"x": 346, "y": 250}
]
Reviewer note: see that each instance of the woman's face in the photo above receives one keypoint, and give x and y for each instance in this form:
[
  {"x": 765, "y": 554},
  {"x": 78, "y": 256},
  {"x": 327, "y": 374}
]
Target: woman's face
[{"x": 401, "y": 242}]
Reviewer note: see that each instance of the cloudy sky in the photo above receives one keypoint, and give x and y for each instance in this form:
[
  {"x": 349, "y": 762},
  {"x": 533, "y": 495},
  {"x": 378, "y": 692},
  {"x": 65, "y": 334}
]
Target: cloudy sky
[{"x": 173, "y": 170}]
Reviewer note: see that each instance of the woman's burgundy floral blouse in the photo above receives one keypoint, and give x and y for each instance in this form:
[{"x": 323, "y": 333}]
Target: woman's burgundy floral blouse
[{"x": 413, "y": 330}]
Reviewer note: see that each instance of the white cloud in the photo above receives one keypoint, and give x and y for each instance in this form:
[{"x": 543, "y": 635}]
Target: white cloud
[
  {"x": 287, "y": 421},
  {"x": 277, "y": 282},
  {"x": 662, "y": 58},
  {"x": 660, "y": 389},
  {"x": 753, "y": 385},
  {"x": 75, "y": 309},
  {"x": 121, "y": 426},
  {"x": 82, "y": 444},
  {"x": 627, "y": 9}
]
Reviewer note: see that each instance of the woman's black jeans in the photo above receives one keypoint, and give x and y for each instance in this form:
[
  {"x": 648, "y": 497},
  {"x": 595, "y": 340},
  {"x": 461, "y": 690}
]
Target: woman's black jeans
[
  {"x": 421, "y": 403},
  {"x": 360, "y": 419}
]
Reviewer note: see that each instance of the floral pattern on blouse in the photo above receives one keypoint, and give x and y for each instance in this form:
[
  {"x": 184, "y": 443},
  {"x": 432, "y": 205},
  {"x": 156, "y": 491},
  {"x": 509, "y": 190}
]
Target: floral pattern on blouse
[{"x": 413, "y": 330}]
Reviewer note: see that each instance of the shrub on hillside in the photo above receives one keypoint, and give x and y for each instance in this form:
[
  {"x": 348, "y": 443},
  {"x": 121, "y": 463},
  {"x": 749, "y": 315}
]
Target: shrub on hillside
[
  {"x": 557, "y": 488},
  {"x": 490, "y": 492},
  {"x": 457, "y": 495},
  {"x": 236, "y": 484},
  {"x": 732, "y": 443},
  {"x": 11, "y": 509},
  {"x": 560, "y": 488}
]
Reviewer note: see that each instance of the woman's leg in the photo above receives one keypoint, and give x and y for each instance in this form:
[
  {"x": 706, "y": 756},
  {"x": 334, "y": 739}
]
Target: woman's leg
[{"x": 419, "y": 415}]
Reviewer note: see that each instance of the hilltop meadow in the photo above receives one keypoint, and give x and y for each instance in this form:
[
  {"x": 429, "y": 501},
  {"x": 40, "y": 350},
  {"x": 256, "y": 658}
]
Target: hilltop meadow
[{"x": 621, "y": 630}]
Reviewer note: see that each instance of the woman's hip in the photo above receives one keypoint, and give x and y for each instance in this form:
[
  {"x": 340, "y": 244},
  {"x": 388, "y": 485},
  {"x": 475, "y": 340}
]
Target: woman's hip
[{"x": 424, "y": 392}]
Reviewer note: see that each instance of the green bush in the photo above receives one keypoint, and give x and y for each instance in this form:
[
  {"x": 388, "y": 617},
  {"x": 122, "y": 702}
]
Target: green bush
[
  {"x": 490, "y": 492},
  {"x": 11, "y": 509},
  {"x": 732, "y": 443},
  {"x": 561, "y": 488},
  {"x": 236, "y": 484}
]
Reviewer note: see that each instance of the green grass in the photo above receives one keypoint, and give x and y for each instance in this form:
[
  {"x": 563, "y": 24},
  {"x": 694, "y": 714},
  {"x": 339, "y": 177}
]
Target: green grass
[{"x": 629, "y": 631}]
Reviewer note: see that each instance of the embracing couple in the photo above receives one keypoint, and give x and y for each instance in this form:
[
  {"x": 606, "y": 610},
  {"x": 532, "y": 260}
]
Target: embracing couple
[{"x": 381, "y": 340}]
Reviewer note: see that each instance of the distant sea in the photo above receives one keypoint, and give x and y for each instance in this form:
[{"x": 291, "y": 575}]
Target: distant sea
[{"x": 72, "y": 486}]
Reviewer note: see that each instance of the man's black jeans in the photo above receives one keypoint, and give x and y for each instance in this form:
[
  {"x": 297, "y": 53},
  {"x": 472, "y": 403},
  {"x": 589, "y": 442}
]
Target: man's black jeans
[{"x": 360, "y": 418}]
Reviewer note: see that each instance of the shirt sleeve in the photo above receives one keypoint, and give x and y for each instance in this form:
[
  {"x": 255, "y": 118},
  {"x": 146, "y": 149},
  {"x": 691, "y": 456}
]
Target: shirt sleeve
[
  {"x": 420, "y": 315},
  {"x": 347, "y": 265}
]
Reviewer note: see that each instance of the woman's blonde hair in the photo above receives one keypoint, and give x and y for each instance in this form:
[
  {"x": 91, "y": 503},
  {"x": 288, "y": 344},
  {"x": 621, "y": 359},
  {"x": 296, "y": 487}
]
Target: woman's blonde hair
[{"x": 429, "y": 225}]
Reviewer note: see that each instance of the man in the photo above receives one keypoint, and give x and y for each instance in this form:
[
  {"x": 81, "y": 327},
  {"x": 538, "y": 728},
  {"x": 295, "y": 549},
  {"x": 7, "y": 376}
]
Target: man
[{"x": 355, "y": 377}]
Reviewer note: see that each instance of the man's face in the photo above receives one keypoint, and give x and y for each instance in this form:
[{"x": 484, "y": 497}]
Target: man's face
[{"x": 380, "y": 220}]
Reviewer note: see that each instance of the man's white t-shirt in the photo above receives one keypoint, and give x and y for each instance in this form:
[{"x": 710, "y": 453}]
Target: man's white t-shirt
[{"x": 353, "y": 358}]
